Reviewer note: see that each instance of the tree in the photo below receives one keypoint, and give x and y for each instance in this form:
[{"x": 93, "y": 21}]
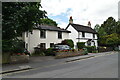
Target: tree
[
  {"x": 96, "y": 28},
  {"x": 18, "y": 17},
  {"x": 108, "y": 32},
  {"x": 117, "y": 29},
  {"x": 113, "y": 39},
  {"x": 109, "y": 25},
  {"x": 49, "y": 22}
]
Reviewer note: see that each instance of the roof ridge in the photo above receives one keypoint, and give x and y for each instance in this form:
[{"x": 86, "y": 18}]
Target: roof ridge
[
  {"x": 83, "y": 28},
  {"x": 81, "y": 25}
]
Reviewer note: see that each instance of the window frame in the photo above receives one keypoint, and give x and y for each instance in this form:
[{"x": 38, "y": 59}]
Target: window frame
[
  {"x": 83, "y": 34},
  {"x": 43, "y": 45},
  {"x": 93, "y": 35},
  {"x": 26, "y": 46},
  {"x": 51, "y": 45},
  {"x": 42, "y": 33},
  {"x": 27, "y": 34},
  {"x": 59, "y": 35}
]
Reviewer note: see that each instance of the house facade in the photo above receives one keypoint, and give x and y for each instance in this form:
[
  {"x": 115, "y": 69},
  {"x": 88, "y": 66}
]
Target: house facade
[
  {"x": 81, "y": 33},
  {"x": 44, "y": 36}
]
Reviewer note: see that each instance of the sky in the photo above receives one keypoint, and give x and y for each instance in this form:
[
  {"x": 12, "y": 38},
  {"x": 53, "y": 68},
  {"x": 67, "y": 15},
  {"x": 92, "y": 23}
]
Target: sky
[{"x": 82, "y": 11}]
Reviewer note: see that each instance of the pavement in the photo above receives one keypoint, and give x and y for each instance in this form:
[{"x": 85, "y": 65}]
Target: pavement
[{"x": 41, "y": 61}]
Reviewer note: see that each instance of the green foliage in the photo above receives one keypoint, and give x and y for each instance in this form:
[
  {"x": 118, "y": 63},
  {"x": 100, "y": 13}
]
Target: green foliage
[
  {"x": 49, "y": 22},
  {"x": 117, "y": 29},
  {"x": 97, "y": 26},
  {"x": 90, "y": 49},
  {"x": 109, "y": 33},
  {"x": 68, "y": 42},
  {"x": 13, "y": 46},
  {"x": 109, "y": 25},
  {"x": 38, "y": 52},
  {"x": 18, "y": 17},
  {"x": 113, "y": 39},
  {"x": 80, "y": 45},
  {"x": 49, "y": 52}
]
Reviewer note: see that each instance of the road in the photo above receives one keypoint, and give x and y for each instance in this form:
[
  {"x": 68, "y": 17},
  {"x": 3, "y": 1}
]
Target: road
[{"x": 99, "y": 66}]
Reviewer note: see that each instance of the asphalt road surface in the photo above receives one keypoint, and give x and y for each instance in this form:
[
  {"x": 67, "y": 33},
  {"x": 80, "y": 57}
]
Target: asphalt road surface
[{"x": 101, "y": 66}]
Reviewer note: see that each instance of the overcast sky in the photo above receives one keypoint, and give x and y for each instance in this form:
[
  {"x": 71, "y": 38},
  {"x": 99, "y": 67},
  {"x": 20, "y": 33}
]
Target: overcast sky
[{"x": 82, "y": 11}]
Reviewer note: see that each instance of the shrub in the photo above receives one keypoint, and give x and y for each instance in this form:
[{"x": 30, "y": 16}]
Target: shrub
[
  {"x": 68, "y": 42},
  {"x": 39, "y": 52},
  {"x": 49, "y": 52},
  {"x": 90, "y": 49},
  {"x": 80, "y": 45}
]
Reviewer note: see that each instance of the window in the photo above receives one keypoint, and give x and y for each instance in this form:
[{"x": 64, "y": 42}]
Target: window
[
  {"x": 42, "y": 45},
  {"x": 26, "y": 45},
  {"x": 89, "y": 42},
  {"x": 59, "y": 35},
  {"x": 93, "y": 35},
  {"x": 42, "y": 34},
  {"x": 26, "y": 34},
  {"x": 83, "y": 34},
  {"x": 51, "y": 45}
]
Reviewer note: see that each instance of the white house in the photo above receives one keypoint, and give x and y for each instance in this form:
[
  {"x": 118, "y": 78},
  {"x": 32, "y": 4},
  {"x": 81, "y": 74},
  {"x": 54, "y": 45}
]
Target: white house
[
  {"x": 81, "y": 33},
  {"x": 44, "y": 36}
]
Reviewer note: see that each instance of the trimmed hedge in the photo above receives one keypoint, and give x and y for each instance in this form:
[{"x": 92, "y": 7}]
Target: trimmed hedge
[
  {"x": 49, "y": 52},
  {"x": 80, "y": 45},
  {"x": 68, "y": 42},
  {"x": 90, "y": 49}
]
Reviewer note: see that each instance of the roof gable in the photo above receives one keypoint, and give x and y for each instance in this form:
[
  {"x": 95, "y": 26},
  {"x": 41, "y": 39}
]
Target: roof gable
[{"x": 82, "y": 28}]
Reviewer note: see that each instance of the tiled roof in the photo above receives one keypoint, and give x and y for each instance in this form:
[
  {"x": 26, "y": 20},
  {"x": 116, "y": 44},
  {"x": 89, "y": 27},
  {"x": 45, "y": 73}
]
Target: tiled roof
[
  {"x": 50, "y": 28},
  {"x": 82, "y": 28}
]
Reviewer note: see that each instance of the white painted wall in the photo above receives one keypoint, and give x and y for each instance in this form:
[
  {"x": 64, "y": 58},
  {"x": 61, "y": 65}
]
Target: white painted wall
[
  {"x": 74, "y": 35},
  {"x": 51, "y": 37}
]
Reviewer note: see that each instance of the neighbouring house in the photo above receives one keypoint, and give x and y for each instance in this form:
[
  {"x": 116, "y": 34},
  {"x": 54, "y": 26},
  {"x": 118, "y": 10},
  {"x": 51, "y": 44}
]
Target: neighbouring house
[
  {"x": 44, "y": 36},
  {"x": 81, "y": 33}
]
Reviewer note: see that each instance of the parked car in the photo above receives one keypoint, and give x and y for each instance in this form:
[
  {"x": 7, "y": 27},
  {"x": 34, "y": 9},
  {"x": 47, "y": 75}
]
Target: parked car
[{"x": 61, "y": 47}]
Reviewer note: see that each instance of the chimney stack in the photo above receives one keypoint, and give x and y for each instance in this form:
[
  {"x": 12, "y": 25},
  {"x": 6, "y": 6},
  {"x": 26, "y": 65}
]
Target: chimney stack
[
  {"x": 71, "y": 20},
  {"x": 89, "y": 23}
]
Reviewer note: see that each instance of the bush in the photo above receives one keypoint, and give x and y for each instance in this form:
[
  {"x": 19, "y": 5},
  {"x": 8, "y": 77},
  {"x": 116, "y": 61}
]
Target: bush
[
  {"x": 38, "y": 52},
  {"x": 90, "y": 49},
  {"x": 68, "y": 42},
  {"x": 13, "y": 46},
  {"x": 49, "y": 52},
  {"x": 80, "y": 45}
]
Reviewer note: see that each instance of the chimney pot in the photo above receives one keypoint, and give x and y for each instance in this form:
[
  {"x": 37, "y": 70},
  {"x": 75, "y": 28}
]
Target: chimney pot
[
  {"x": 89, "y": 23},
  {"x": 70, "y": 20}
]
